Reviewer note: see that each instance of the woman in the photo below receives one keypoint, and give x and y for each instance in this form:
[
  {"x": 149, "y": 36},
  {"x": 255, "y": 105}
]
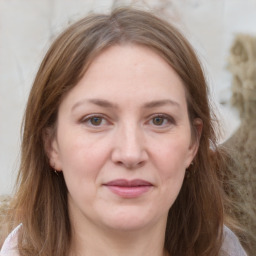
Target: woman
[{"x": 116, "y": 155}]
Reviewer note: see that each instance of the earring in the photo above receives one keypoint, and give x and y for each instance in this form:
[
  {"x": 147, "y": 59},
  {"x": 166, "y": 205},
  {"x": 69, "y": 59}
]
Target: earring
[{"x": 56, "y": 172}]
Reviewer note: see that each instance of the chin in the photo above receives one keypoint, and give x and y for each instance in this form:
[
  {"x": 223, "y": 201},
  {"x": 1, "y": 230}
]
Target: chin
[{"x": 129, "y": 220}]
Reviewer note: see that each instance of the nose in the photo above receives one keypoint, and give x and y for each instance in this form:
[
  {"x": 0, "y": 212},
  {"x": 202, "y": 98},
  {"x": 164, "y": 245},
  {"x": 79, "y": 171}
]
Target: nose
[{"x": 129, "y": 148}]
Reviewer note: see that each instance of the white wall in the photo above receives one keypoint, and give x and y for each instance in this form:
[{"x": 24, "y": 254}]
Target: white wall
[{"x": 27, "y": 27}]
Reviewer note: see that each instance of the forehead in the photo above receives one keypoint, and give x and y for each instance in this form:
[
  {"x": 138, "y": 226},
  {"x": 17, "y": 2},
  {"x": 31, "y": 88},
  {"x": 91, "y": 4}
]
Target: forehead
[{"x": 129, "y": 72}]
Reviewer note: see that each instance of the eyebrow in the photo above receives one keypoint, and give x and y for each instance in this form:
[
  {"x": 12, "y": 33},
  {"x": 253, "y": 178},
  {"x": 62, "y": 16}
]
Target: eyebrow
[
  {"x": 107, "y": 104},
  {"x": 160, "y": 103},
  {"x": 98, "y": 102}
]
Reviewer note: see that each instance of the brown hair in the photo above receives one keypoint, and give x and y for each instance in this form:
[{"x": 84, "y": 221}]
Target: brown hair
[{"x": 195, "y": 220}]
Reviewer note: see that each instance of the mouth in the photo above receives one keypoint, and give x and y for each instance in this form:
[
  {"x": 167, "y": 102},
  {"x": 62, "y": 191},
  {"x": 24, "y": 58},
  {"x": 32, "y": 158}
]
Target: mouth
[{"x": 129, "y": 188}]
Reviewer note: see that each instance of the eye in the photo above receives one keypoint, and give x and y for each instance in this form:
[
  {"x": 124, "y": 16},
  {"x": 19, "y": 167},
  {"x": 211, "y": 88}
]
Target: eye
[
  {"x": 161, "y": 120},
  {"x": 95, "y": 121}
]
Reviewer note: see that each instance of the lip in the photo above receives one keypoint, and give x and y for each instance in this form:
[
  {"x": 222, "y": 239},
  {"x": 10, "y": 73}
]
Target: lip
[{"x": 129, "y": 188}]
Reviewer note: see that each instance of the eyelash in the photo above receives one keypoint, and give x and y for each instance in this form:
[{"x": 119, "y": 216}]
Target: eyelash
[
  {"x": 170, "y": 120},
  {"x": 88, "y": 120},
  {"x": 167, "y": 120}
]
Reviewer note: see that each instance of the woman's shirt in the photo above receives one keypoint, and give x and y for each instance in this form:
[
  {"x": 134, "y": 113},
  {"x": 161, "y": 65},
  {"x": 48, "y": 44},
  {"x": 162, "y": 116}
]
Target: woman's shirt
[
  {"x": 9, "y": 247},
  {"x": 230, "y": 247}
]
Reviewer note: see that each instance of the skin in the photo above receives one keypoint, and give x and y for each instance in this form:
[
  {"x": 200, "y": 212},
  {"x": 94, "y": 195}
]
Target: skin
[{"x": 126, "y": 119}]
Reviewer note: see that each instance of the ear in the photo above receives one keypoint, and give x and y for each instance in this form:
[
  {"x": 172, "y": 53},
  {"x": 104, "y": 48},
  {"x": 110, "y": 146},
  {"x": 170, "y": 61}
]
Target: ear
[
  {"x": 52, "y": 149},
  {"x": 197, "y": 128}
]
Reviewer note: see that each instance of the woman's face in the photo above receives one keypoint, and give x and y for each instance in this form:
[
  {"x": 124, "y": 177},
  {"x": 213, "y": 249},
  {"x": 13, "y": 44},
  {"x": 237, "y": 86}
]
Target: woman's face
[{"x": 123, "y": 140}]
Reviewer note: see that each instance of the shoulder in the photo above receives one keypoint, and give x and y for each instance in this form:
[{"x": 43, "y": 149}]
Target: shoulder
[
  {"x": 9, "y": 247},
  {"x": 231, "y": 245}
]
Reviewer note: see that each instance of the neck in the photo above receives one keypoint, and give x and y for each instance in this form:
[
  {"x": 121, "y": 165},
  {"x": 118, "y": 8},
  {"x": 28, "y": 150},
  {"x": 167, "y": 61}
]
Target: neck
[{"x": 98, "y": 241}]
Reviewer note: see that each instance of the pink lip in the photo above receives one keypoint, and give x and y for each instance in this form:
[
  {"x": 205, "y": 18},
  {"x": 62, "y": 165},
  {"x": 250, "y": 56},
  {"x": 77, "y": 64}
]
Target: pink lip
[{"x": 129, "y": 189}]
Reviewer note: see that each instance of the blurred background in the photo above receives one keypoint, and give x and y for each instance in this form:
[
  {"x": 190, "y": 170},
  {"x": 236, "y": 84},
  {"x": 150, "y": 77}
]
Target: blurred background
[{"x": 27, "y": 27}]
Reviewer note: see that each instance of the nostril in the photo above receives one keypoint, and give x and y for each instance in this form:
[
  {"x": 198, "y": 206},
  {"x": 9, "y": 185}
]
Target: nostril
[
  {"x": 119, "y": 163},
  {"x": 130, "y": 165}
]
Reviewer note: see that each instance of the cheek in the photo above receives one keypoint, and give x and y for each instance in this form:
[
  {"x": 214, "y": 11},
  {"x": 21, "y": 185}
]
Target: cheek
[
  {"x": 172, "y": 174},
  {"x": 82, "y": 157},
  {"x": 172, "y": 155},
  {"x": 172, "y": 177},
  {"x": 82, "y": 163},
  {"x": 171, "y": 160}
]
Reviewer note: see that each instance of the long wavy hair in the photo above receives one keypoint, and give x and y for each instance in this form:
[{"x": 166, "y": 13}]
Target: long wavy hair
[{"x": 195, "y": 220}]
